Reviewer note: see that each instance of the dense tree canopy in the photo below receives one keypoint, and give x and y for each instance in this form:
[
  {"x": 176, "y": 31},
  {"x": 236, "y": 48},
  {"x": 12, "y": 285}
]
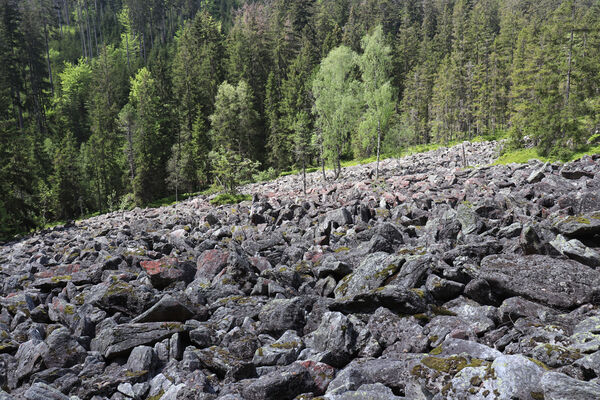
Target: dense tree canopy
[{"x": 116, "y": 100}]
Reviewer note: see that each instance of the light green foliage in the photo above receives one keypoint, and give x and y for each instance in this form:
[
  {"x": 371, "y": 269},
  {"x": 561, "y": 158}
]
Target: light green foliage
[
  {"x": 75, "y": 81},
  {"x": 234, "y": 120},
  {"x": 375, "y": 64},
  {"x": 337, "y": 102}
]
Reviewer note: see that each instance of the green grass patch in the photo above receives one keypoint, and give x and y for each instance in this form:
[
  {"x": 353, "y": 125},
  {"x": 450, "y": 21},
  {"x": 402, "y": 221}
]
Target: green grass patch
[
  {"x": 168, "y": 201},
  {"x": 522, "y": 156},
  {"x": 228, "y": 198}
]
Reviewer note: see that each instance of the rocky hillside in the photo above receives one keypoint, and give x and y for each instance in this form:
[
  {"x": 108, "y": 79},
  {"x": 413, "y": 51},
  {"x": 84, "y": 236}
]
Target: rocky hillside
[{"x": 436, "y": 282}]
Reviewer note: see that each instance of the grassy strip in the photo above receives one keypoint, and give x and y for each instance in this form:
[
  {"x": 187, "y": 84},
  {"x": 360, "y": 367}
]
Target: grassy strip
[
  {"x": 228, "y": 198},
  {"x": 522, "y": 156}
]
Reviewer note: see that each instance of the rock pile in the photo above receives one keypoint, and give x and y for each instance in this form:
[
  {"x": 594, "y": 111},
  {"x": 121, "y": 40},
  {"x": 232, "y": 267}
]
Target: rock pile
[{"x": 435, "y": 282}]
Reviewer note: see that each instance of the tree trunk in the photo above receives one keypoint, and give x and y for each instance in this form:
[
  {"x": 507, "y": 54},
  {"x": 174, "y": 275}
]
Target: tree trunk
[
  {"x": 304, "y": 173},
  {"x": 83, "y": 47},
  {"x": 322, "y": 160},
  {"x": 378, "y": 148},
  {"x": 130, "y": 157},
  {"x": 127, "y": 50},
  {"x": 48, "y": 58}
]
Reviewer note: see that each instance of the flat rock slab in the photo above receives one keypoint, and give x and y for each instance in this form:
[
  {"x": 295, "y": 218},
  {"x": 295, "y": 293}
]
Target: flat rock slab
[
  {"x": 584, "y": 225},
  {"x": 121, "y": 339},
  {"x": 550, "y": 281}
]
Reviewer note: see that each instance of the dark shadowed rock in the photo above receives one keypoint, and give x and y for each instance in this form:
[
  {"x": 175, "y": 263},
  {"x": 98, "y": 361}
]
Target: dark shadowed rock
[
  {"x": 62, "y": 350},
  {"x": 167, "y": 309}
]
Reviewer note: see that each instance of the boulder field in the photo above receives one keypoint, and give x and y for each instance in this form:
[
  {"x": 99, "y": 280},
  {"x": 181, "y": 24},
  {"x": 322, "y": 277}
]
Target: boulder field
[{"x": 447, "y": 278}]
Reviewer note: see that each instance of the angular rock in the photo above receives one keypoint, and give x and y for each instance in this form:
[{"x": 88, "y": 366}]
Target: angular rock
[
  {"x": 372, "y": 272},
  {"x": 283, "y": 351},
  {"x": 41, "y": 391},
  {"x": 167, "y": 309},
  {"x": 576, "y": 250},
  {"x": 558, "y": 283},
  {"x": 167, "y": 271},
  {"x": 62, "y": 350},
  {"x": 280, "y": 385},
  {"x": 121, "y": 339},
  {"x": 580, "y": 226},
  {"x": 210, "y": 263},
  {"x": 141, "y": 359},
  {"x": 558, "y": 386}
]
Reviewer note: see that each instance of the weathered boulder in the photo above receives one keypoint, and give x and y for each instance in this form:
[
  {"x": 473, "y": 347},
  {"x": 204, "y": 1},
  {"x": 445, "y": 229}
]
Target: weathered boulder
[
  {"x": 558, "y": 386},
  {"x": 167, "y": 271},
  {"x": 558, "y": 283},
  {"x": 372, "y": 272},
  {"x": 167, "y": 309},
  {"x": 283, "y": 351},
  {"x": 121, "y": 339}
]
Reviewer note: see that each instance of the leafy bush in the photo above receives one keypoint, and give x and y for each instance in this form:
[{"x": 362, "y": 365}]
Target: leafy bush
[
  {"x": 127, "y": 202},
  {"x": 267, "y": 175},
  {"x": 230, "y": 169}
]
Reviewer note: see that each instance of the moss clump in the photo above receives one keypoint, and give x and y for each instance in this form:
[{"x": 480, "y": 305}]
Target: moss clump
[
  {"x": 136, "y": 374},
  {"x": 286, "y": 345},
  {"x": 342, "y": 249},
  {"x": 450, "y": 365},
  {"x": 157, "y": 396},
  {"x": 418, "y": 292},
  {"x": 69, "y": 309},
  {"x": 476, "y": 381},
  {"x": 61, "y": 278},
  {"x": 387, "y": 271},
  {"x": 537, "y": 395},
  {"x": 539, "y": 363},
  {"x": 437, "y": 310},
  {"x": 436, "y": 352}
]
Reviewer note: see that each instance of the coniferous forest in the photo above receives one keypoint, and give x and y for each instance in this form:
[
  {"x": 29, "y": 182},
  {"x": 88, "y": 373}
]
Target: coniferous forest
[{"x": 106, "y": 103}]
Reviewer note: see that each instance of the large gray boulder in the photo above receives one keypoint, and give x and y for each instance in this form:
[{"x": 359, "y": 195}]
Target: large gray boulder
[
  {"x": 372, "y": 273},
  {"x": 551, "y": 281},
  {"x": 557, "y": 386},
  {"x": 121, "y": 339}
]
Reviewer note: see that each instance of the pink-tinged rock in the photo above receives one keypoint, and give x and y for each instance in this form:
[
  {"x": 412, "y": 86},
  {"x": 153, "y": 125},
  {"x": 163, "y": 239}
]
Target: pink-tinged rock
[
  {"x": 260, "y": 263},
  {"x": 167, "y": 270},
  {"x": 210, "y": 263},
  {"x": 401, "y": 198},
  {"x": 321, "y": 373},
  {"x": 390, "y": 199},
  {"x": 313, "y": 256},
  {"x": 60, "y": 270}
]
